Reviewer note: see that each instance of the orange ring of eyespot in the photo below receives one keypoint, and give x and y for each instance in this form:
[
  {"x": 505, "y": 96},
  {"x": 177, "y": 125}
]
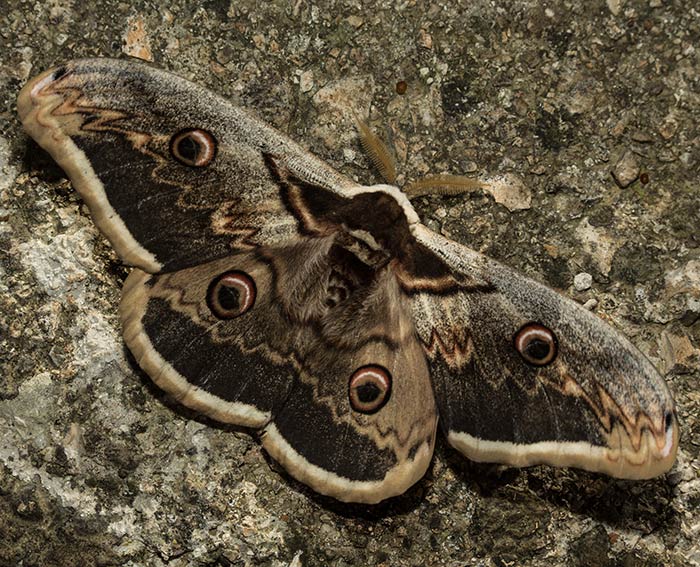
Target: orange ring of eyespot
[
  {"x": 239, "y": 281},
  {"x": 531, "y": 337},
  {"x": 361, "y": 383},
  {"x": 203, "y": 142}
]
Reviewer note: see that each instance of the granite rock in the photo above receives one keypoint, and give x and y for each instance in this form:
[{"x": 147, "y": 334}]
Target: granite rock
[{"x": 99, "y": 467}]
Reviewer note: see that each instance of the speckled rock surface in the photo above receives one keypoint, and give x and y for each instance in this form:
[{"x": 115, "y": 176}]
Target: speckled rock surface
[{"x": 98, "y": 467}]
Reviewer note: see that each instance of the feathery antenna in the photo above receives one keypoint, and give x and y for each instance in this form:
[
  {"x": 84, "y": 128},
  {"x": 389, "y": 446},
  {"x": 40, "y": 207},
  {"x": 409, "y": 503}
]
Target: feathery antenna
[
  {"x": 443, "y": 184},
  {"x": 377, "y": 151}
]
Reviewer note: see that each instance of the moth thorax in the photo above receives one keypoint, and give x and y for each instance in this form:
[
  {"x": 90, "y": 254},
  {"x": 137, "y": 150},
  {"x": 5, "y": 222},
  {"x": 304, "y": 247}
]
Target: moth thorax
[{"x": 363, "y": 246}]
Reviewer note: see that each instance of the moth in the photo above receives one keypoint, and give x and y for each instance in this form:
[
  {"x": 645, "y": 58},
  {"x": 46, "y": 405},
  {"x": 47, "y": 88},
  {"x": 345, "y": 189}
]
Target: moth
[{"x": 272, "y": 292}]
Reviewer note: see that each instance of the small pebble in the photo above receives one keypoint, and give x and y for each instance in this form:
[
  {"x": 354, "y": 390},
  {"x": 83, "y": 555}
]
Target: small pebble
[
  {"x": 355, "y": 21},
  {"x": 668, "y": 128},
  {"x": 641, "y": 136},
  {"x": 615, "y": 6},
  {"x": 626, "y": 169},
  {"x": 470, "y": 167},
  {"x": 426, "y": 40},
  {"x": 306, "y": 81},
  {"x": 510, "y": 191},
  {"x": 583, "y": 281},
  {"x": 591, "y": 304},
  {"x": 640, "y": 295},
  {"x": 225, "y": 55}
]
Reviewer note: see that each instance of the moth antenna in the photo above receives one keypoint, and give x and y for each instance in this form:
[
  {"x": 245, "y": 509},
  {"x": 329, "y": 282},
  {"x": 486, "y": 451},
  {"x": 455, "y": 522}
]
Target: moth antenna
[
  {"x": 377, "y": 151},
  {"x": 443, "y": 184}
]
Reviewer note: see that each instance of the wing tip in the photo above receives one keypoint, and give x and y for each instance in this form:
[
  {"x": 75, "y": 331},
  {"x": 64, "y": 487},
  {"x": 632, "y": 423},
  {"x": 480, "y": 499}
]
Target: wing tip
[{"x": 35, "y": 105}]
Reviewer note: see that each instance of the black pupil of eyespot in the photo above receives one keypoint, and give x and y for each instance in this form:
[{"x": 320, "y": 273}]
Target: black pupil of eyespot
[
  {"x": 368, "y": 392},
  {"x": 537, "y": 349},
  {"x": 58, "y": 73},
  {"x": 669, "y": 420},
  {"x": 188, "y": 148},
  {"x": 229, "y": 298}
]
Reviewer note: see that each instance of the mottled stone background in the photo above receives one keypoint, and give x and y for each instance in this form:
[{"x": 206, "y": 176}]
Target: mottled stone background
[{"x": 566, "y": 104}]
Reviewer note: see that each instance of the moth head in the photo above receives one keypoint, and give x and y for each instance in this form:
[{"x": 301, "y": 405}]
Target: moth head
[
  {"x": 369, "y": 388},
  {"x": 193, "y": 147}
]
